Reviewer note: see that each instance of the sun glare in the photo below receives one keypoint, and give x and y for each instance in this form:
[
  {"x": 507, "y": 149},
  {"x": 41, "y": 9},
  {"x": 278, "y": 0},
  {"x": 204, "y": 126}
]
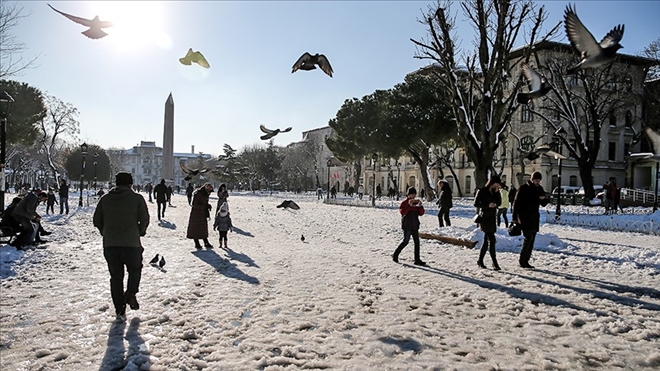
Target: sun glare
[{"x": 137, "y": 24}]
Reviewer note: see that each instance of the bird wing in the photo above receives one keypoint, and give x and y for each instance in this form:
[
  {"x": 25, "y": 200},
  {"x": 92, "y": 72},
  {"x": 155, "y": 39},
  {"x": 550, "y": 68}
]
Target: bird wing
[
  {"x": 654, "y": 138},
  {"x": 267, "y": 136},
  {"x": 203, "y": 170},
  {"x": 199, "y": 59},
  {"x": 303, "y": 58},
  {"x": 532, "y": 77},
  {"x": 266, "y": 130},
  {"x": 184, "y": 168},
  {"x": 79, "y": 20},
  {"x": 613, "y": 37},
  {"x": 187, "y": 59},
  {"x": 581, "y": 39},
  {"x": 294, "y": 205},
  {"x": 325, "y": 65},
  {"x": 286, "y": 130}
]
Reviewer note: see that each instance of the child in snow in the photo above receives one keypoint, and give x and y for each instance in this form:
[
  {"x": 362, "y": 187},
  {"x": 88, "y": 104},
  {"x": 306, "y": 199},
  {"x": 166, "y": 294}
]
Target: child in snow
[
  {"x": 51, "y": 201},
  {"x": 223, "y": 223}
]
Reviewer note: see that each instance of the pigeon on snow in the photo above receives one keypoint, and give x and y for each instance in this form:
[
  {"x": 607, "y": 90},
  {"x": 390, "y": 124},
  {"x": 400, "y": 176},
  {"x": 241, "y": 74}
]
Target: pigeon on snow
[
  {"x": 289, "y": 204},
  {"x": 302, "y": 238},
  {"x": 190, "y": 173},
  {"x": 194, "y": 57},
  {"x": 95, "y": 25},
  {"x": 154, "y": 260},
  {"x": 162, "y": 262},
  {"x": 308, "y": 62},
  {"x": 537, "y": 85},
  {"x": 271, "y": 133},
  {"x": 592, "y": 53}
]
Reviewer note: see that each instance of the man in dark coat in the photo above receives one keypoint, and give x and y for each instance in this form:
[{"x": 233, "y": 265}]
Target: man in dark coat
[
  {"x": 25, "y": 213},
  {"x": 63, "y": 192},
  {"x": 529, "y": 198},
  {"x": 160, "y": 191},
  {"x": 122, "y": 217},
  {"x": 189, "y": 193},
  {"x": 445, "y": 202}
]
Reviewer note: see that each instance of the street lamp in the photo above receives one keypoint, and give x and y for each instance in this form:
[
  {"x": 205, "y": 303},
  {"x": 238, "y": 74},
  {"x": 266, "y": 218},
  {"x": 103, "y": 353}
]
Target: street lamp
[
  {"x": 83, "y": 150},
  {"x": 374, "y": 157},
  {"x": 329, "y": 163},
  {"x": 42, "y": 176},
  {"x": 398, "y": 180},
  {"x": 558, "y": 135},
  {"x": 5, "y": 105},
  {"x": 96, "y": 156}
]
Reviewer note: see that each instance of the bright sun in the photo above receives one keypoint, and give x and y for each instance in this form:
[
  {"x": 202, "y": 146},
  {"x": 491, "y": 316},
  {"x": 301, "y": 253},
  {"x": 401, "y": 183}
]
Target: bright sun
[{"x": 136, "y": 23}]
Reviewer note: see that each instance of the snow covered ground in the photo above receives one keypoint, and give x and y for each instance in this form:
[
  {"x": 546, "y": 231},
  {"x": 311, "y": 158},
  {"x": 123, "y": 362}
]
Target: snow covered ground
[{"x": 334, "y": 301}]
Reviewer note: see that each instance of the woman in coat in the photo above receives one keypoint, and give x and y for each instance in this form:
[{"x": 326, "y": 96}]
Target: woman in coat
[
  {"x": 445, "y": 202},
  {"x": 198, "y": 223},
  {"x": 487, "y": 201}
]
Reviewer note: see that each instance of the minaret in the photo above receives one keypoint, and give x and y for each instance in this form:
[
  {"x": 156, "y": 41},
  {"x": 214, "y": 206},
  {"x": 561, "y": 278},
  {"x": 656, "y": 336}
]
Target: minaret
[{"x": 168, "y": 140}]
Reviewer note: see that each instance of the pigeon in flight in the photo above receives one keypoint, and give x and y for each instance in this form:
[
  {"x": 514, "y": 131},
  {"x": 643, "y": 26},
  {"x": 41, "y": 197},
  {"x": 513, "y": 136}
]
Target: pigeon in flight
[
  {"x": 592, "y": 54},
  {"x": 307, "y": 62},
  {"x": 302, "y": 238},
  {"x": 190, "y": 173},
  {"x": 289, "y": 204},
  {"x": 271, "y": 133},
  {"x": 194, "y": 57},
  {"x": 154, "y": 261},
  {"x": 95, "y": 25},
  {"x": 162, "y": 262},
  {"x": 537, "y": 85}
]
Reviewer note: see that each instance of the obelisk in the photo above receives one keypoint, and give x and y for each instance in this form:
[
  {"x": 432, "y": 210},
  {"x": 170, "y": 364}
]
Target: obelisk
[{"x": 168, "y": 140}]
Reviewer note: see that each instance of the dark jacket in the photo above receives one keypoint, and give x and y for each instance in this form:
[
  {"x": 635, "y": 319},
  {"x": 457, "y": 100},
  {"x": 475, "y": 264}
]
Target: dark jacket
[
  {"x": 445, "y": 199},
  {"x": 122, "y": 217},
  {"x": 160, "y": 192},
  {"x": 410, "y": 215},
  {"x": 8, "y": 218},
  {"x": 63, "y": 191},
  {"x": 190, "y": 190},
  {"x": 51, "y": 199},
  {"x": 197, "y": 224},
  {"x": 488, "y": 215},
  {"x": 222, "y": 223},
  {"x": 526, "y": 206},
  {"x": 27, "y": 208}
]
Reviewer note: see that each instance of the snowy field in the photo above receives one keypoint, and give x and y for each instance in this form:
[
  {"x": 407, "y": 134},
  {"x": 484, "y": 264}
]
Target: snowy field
[{"x": 334, "y": 301}]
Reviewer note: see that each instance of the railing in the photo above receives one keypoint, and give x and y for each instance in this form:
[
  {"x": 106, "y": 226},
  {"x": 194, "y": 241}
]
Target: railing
[
  {"x": 606, "y": 222},
  {"x": 638, "y": 195}
]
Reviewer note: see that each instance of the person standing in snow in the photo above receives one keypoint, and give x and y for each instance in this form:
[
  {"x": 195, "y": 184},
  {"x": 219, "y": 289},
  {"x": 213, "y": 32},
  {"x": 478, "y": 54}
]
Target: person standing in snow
[
  {"x": 223, "y": 223},
  {"x": 526, "y": 213},
  {"x": 198, "y": 228},
  {"x": 189, "y": 193},
  {"x": 445, "y": 202},
  {"x": 122, "y": 217},
  {"x": 411, "y": 209},
  {"x": 487, "y": 202},
  {"x": 160, "y": 194},
  {"x": 504, "y": 207}
]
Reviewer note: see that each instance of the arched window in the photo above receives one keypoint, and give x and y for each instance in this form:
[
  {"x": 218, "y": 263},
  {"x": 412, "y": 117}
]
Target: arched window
[
  {"x": 613, "y": 118},
  {"x": 628, "y": 119},
  {"x": 468, "y": 183},
  {"x": 573, "y": 181},
  {"x": 450, "y": 181}
]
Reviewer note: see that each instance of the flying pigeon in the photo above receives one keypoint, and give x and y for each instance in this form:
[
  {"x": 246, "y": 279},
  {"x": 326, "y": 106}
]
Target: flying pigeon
[
  {"x": 537, "y": 85},
  {"x": 194, "y": 57},
  {"x": 307, "y": 62},
  {"x": 654, "y": 140},
  {"x": 162, "y": 262},
  {"x": 302, "y": 238},
  {"x": 190, "y": 173},
  {"x": 592, "y": 54},
  {"x": 95, "y": 25},
  {"x": 154, "y": 261},
  {"x": 289, "y": 204},
  {"x": 271, "y": 133}
]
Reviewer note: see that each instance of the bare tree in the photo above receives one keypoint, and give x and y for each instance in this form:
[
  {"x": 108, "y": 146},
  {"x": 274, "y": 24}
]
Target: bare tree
[
  {"x": 11, "y": 60},
  {"x": 60, "y": 122},
  {"x": 477, "y": 81},
  {"x": 652, "y": 51}
]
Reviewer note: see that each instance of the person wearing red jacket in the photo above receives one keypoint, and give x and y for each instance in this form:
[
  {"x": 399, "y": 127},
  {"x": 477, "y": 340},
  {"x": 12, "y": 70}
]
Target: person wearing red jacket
[{"x": 411, "y": 209}]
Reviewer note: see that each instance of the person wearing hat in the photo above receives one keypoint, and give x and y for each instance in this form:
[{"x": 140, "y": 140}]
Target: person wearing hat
[
  {"x": 198, "y": 228},
  {"x": 223, "y": 223},
  {"x": 411, "y": 209},
  {"x": 487, "y": 201},
  {"x": 122, "y": 217},
  {"x": 529, "y": 198}
]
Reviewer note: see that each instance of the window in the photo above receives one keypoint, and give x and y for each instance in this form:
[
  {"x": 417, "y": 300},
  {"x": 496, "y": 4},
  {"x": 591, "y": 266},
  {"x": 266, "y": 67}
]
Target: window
[
  {"x": 468, "y": 183},
  {"x": 612, "y": 119},
  {"x": 611, "y": 85},
  {"x": 611, "y": 153},
  {"x": 573, "y": 181},
  {"x": 450, "y": 181},
  {"x": 628, "y": 119},
  {"x": 574, "y": 81},
  {"x": 526, "y": 114}
]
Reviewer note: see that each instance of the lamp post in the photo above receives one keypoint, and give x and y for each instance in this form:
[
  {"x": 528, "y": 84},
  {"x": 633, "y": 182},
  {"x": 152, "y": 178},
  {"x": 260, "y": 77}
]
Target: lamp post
[
  {"x": 42, "y": 176},
  {"x": 5, "y": 105},
  {"x": 83, "y": 150},
  {"x": 374, "y": 157},
  {"x": 657, "y": 177},
  {"x": 398, "y": 180},
  {"x": 558, "y": 135},
  {"x": 96, "y": 156},
  {"x": 329, "y": 163}
]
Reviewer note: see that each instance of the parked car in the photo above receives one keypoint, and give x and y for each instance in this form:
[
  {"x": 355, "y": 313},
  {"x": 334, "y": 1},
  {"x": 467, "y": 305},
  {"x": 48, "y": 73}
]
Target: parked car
[
  {"x": 566, "y": 190},
  {"x": 600, "y": 194}
]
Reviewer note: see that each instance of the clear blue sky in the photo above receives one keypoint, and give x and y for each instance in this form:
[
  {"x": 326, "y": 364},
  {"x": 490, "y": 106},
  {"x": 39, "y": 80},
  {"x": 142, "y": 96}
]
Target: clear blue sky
[{"x": 120, "y": 83}]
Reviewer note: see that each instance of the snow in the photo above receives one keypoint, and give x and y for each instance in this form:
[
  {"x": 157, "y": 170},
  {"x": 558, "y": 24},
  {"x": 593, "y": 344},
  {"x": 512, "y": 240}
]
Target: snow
[{"x": 335, "y": 301}]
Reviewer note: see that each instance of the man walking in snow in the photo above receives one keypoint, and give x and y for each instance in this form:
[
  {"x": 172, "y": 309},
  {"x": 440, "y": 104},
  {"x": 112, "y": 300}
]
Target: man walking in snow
[{"x": 122, "y": 218}]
